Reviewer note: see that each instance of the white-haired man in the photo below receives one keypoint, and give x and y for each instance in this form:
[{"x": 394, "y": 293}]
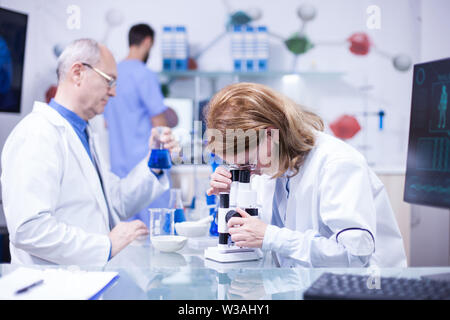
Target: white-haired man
[{"x": 61, "y": 204}]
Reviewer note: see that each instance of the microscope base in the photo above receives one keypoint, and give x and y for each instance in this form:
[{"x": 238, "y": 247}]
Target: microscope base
[{"x": 231, "y": 254}]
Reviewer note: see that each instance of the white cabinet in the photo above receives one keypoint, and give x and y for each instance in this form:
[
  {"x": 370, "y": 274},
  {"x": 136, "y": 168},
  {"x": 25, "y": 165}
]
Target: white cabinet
[
  {"x": 395, "y": 186},
  {"x": 425, "y": 230}
]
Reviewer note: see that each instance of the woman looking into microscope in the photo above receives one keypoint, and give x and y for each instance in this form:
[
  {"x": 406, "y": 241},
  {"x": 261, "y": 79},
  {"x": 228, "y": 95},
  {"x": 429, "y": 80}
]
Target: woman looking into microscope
[{"x": 321, "y": 204}]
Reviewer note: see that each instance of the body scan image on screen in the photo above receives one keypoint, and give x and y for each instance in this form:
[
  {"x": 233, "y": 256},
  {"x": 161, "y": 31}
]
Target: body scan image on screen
[
  {"x": 428, "y": 166},
  {"x": 13, "y": 28}
]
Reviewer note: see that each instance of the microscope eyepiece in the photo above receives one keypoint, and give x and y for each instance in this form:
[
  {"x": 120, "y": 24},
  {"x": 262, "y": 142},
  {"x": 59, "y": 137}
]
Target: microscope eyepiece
[
  {"x": 234, "y": 174},
  {"x": 244, "y": 176}
]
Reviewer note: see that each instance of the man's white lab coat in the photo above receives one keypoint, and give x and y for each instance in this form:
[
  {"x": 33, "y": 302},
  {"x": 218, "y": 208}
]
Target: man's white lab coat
[{"x": 53, "y": 199}]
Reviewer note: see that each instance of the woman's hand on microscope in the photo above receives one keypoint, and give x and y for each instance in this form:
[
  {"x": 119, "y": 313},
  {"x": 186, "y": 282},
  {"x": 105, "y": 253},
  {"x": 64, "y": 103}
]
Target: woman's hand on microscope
[
  {"x": 220, "y": 181},
  {"x": 247, "y": 231}
]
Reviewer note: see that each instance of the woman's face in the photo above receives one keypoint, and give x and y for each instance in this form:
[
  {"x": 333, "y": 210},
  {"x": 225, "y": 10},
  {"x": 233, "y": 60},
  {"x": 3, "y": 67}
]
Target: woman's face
[{"x": 262, "y": 158}]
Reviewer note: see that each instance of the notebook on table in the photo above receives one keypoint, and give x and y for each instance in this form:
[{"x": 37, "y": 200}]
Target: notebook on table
[{"x": 55, "y": 284}]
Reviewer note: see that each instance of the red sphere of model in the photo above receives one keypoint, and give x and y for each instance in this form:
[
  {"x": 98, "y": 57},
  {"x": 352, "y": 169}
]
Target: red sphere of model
[
  {"x": 345, "y": 127},
  {"x": 359, "y": 43}
]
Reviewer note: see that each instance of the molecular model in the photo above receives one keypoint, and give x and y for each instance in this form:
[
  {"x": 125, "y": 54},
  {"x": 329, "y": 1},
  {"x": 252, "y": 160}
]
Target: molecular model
[{"x": 299, "y": 43}]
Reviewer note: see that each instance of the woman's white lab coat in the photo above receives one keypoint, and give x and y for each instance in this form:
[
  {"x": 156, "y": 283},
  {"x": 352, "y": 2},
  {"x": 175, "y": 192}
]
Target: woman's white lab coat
[
  {"x": 334, "y": 213},
  {"x": 55, "y": 209}
]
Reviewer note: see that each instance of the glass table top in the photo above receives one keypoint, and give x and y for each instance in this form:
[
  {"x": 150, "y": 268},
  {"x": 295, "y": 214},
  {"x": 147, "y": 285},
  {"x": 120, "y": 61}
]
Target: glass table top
[{"x": 145, "y": 273}]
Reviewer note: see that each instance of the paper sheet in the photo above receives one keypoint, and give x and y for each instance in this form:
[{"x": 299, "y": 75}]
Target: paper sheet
[{"x": 59, "y": 284}]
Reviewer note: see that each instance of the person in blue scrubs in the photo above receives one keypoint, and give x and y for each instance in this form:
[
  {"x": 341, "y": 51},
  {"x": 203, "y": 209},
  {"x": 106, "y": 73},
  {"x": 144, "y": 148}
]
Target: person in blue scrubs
[{"x": 137, "y": 107}]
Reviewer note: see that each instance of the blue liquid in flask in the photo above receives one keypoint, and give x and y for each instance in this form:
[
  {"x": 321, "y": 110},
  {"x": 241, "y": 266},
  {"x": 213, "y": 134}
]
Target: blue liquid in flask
[{"x": 160, "y": 159}]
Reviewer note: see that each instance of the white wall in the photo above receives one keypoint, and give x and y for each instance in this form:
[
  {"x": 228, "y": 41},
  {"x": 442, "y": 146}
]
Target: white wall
[{"x": 205, "y": 19}]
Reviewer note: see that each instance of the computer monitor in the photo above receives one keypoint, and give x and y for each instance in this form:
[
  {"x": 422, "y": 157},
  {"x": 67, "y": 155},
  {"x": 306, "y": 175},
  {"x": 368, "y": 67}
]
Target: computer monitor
[
  {"x": 428, "y": 165},
  {"x": 13, "y": 29}
]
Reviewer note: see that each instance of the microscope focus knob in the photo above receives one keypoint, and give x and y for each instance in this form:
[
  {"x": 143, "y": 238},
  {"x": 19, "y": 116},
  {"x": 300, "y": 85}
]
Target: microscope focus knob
[{"x": 230, "y": 214}]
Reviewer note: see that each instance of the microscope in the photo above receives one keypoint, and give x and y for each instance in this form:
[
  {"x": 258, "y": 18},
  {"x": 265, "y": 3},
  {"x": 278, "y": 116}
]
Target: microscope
[{"x": 240, "y": 196}]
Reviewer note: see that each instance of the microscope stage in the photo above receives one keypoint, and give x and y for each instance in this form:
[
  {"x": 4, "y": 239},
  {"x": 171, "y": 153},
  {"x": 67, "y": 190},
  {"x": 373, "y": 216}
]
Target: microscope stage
[{"x": 231, "y": 254}]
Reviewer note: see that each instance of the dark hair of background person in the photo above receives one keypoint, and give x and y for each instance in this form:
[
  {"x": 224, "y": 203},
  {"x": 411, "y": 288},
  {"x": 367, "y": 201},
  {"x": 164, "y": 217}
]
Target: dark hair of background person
[{"x": 138, "y": 33}]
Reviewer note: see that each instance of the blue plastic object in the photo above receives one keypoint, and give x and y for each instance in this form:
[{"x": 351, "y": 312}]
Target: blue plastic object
[
  {"x": 213, "y": 230},
  {"x": 381, "y": 114},
  {"x": 210, "y": 200}
]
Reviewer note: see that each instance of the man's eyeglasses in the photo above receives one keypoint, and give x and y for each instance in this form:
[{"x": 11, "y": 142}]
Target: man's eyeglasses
[{"x": 111, "y": 81}]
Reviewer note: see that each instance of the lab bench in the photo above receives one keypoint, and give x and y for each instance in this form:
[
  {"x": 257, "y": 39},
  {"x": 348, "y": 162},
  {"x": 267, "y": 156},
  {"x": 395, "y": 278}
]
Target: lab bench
[{"x": 145, "y": 273}]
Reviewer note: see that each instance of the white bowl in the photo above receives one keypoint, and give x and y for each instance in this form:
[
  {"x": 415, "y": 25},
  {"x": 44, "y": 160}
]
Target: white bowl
[
  {"x": 191, "y": 229},
  {"x": 168, "y": 243}
]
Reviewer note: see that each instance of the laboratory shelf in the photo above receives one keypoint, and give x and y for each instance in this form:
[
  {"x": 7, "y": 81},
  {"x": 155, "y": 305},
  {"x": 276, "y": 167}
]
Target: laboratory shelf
[{"x": 265, "y": 74}]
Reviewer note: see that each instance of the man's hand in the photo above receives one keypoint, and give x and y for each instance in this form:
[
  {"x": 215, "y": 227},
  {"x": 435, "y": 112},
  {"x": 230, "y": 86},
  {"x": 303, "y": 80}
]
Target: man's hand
[
  {"x": 247, "y": 231},
  {"x": 125, "y": 233},
  {"x": 165, "y": 135}
]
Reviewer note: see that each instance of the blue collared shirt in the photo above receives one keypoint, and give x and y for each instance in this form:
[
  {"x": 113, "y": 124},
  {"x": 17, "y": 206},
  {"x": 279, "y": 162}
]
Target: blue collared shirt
[{"x": 77, "y": 123}]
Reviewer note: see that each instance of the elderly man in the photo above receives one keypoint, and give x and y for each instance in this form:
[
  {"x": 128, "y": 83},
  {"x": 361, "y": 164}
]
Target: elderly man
[{"x": 61, "y": 204}]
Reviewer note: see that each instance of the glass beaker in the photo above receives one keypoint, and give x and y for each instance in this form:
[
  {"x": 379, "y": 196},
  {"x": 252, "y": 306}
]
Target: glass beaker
[
  {"x": 161, "y": 222},
  {"x": 159, "y": 157}
]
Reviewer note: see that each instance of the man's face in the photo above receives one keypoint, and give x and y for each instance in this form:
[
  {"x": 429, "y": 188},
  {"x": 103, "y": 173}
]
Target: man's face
[{"x": 96, "y": 90}]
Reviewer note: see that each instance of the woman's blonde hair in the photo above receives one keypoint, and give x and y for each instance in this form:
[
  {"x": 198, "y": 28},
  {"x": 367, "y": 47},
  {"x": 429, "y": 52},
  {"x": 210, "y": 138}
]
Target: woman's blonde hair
[{"x": 248, "y": 106}]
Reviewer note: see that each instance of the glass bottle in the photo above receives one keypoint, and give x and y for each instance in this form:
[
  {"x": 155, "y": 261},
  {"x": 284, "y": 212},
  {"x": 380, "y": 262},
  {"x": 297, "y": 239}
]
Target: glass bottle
[{"x": 176, "y": 203}]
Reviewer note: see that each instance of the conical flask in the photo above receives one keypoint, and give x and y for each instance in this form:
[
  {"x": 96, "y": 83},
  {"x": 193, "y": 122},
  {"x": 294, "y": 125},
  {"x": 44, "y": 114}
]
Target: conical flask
[
  {"x": 176, "y": 203},
  {"x": 160, "y": 157}
]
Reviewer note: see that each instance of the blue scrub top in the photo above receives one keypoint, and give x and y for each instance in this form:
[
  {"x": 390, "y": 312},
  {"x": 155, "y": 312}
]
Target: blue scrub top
[{"x": 128, "y": 115}]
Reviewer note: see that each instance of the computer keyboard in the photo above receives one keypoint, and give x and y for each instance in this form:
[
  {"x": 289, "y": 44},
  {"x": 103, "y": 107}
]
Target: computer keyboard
[{"x": 349, "y": 286}]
